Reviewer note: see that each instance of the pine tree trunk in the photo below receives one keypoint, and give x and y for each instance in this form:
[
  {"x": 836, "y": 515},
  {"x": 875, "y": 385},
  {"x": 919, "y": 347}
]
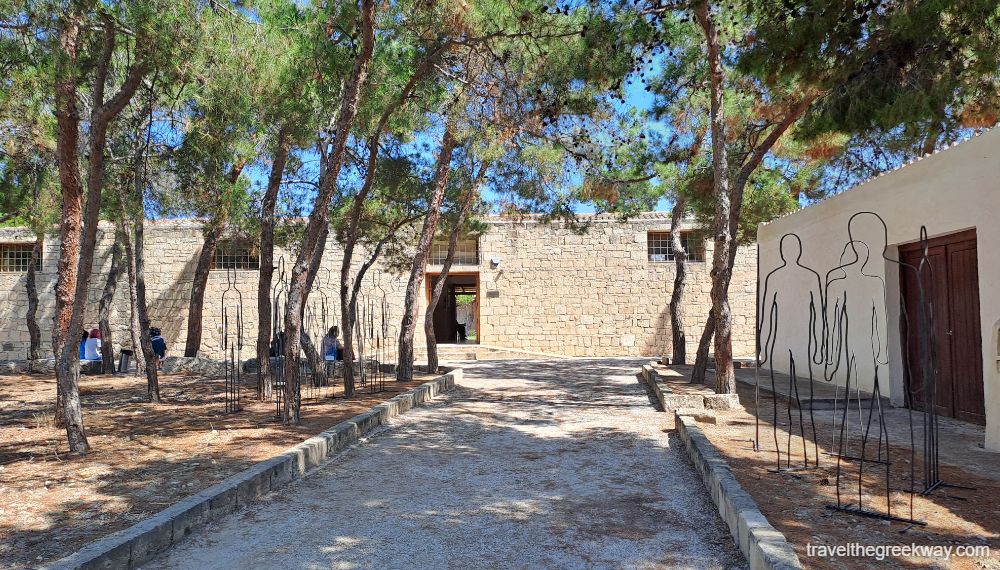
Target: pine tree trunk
[
  {"x": 432, "y": 356},
  {"x": 134, "y": 323},
  {"x": 404, "y": 366},
  {"x": 724, "y": 240},
  {"x": 348, "y": 319},
  {"x": 78, "y": 227},
  {"x": 704, "y": 344},
  {"x": 430, "y": 337},
  {"x": 318, "y": 219},
  {"x": 348, "y": 306},
  {"x": 268, "y": 204},
  {"x": 312, "y": 355},
  {"x": 64, "y": 340},
  {"x": 145, "y": 341},
  {"x": 31, "y": 287},
  {"x": 701, "y": 361},
  {"x": 313, "y": 358},
  {"x": 196, "y": 307},
  {"x": 104, "y": 308},
  {"x": 78, "y": 233},
  {"x": 678, "y": 341}
]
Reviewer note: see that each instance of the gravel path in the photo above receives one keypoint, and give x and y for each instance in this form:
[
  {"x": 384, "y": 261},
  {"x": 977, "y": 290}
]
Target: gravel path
[{"x": 528, "y": 464}]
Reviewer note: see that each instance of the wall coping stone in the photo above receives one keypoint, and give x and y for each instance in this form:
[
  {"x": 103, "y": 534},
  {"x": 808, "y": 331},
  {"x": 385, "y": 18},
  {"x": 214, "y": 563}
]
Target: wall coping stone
[{"x": 131, "y": 547}]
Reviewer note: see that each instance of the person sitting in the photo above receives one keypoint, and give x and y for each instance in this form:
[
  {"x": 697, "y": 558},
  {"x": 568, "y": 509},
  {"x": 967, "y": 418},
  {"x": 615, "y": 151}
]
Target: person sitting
[
  {"x": 92, "y": 348},
  {"x": 333, "y": 349},
  {"x": 83, "y": 345},
  {"x": 159, "y": 346}
]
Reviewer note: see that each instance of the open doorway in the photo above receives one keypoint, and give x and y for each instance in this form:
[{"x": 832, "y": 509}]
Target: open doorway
[{"x": 456, "y": 317}]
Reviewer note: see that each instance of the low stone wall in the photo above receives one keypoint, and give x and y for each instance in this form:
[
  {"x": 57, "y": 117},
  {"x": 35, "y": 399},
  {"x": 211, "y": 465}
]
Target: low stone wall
[
  {"x": 670, "y": 401},
  {"x": 132, "y": 547},
  {"x": 764, "y": 546},
  {"x": 16, "y": 367}
]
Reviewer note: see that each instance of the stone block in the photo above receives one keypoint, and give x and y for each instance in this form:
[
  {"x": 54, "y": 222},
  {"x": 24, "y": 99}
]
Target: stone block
[
  {"x": 347, "y": 433},
  {"x": 698, "y": 414},
  {"x": 749, "y": 519},
  {"x": 647, "y": 372},
  {"x": 223, "y": 502},
  {"x": 153, "y": 535},
  {"x": 404, "y": 402},
  {"x": 102, "y": 555},
  {"x": 314, "y": 451},
  {"x": 283, "y": 472},
  {"x": 193, "y": 365},
  {"x": 255, "y": 483},
  {"x": 191, "y": 513},
  {"x": 366, "y": 421},
  {"x": 769, "y": 550},
  {"x": 722, "y": 402},
  {"x": 672, "y": 402}
]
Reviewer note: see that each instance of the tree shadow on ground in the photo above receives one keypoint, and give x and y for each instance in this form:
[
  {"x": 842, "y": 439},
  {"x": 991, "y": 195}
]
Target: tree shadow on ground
[
  {"x": 796, "y": 502},
  {"x": 145, "y": 456},
  {"x": 494, "y": 476}
]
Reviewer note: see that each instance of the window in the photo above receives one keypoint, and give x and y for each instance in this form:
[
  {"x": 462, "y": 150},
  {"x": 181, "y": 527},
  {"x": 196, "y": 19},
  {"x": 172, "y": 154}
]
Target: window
[
  {"x": 466, "y": 252},
  {"x": 16, "y": 258},
  {"x": 232, "y": 254},
  {"x": 658, "y": 246}
]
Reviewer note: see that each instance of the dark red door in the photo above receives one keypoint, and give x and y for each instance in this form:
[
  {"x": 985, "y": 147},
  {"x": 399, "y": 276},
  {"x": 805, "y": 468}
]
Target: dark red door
[{"x": 952, "y": 297}]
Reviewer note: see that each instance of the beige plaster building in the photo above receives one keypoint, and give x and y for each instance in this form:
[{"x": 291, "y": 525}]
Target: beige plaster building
[
  {"x": 521, "y": 284},
  {"x": 954, "y": 194}
]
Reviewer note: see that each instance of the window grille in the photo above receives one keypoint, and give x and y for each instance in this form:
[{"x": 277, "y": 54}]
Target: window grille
[
  {"x": 239, "y": 255},
  {"x": 466, "y": 252},
  {"x": 16, "y": 258},
  {"x": 658, "y": 246}
]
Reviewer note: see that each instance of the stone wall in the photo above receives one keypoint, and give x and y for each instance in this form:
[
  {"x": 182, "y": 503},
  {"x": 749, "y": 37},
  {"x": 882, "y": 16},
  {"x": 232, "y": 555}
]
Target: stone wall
[
  {"x": 597, "y": 294},
  {"x": 554, "y": 290}
]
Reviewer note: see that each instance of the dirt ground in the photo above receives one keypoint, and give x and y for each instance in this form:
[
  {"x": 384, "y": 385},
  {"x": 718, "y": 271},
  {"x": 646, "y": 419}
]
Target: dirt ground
[
  {"x": 144, "y": 456},
  {"x": 796, "y": 501}
]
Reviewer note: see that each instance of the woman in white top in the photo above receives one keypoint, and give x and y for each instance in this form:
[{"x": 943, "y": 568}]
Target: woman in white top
[{"x": 92, "y": 349}]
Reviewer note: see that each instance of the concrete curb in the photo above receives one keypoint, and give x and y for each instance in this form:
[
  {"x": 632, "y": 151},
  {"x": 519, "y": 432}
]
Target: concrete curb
[
  {"x": 135, "y": 545},
  {"x": 764, "y": 546}
]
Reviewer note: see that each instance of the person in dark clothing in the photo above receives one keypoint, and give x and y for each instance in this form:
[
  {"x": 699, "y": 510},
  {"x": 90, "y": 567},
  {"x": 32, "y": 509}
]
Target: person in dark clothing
[
  {"x": 159, "y": 346},
  {"x": 278, "y": 345}
]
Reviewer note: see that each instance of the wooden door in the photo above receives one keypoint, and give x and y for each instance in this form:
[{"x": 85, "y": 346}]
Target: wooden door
[
  {"x": 965, "y": 333},
  {"x": 951, "y": 298}
]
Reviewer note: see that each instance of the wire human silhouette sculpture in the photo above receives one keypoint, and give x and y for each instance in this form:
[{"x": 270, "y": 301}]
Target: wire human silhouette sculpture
[
  {"x": 232, "y": 341},
  {"x": 846, "y": 320},
  {"x": 279, "y": 294},
  {"x": 770, "y": 300}
]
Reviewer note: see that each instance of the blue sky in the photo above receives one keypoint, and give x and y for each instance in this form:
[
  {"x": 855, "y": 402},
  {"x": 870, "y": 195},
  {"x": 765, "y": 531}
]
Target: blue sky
[{"x": 636, "y": 97}]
